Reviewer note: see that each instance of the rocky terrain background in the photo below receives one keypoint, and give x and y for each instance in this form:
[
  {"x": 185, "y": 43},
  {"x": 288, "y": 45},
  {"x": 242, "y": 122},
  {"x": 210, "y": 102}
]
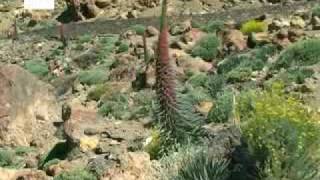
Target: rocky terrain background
[{"x": 81, "y": 107}]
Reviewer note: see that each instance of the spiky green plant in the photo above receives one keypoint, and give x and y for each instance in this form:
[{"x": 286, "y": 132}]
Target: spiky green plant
[
  {"x": 215, "y": 84},
  {"x": 173, "y": 113},
  {"x": 204, "y": 167},
  {"x": 301, "y": 53}
]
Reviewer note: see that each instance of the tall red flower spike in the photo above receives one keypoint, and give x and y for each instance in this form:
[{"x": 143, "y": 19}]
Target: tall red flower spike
[{"x": 165, "y": 75}]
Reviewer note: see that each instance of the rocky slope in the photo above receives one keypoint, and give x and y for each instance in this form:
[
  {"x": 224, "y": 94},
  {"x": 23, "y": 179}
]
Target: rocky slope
[{"x": 82, "y": 107}]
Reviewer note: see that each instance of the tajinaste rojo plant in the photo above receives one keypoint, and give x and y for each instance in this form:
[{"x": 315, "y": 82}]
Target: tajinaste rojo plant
[
  {"x": 175, "y": 116},
  {"x": 62, "y": 37},
  {"x": 13, "y": 32}
]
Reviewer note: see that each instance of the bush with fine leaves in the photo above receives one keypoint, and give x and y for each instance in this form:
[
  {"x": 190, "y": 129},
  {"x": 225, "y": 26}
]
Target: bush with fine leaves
[
  {"x": 93, "y": 76},
  {"x": 212, "y": 26},
  {"x": 222, "y": 108},
  {"x": 139, "y": 29},
  {"x": 207, "y": 47},
  {"x": 316, "y": 10},
  {"x": 37, "y": 67},
  {"x": 296, "y": 74},
  {"x": 14, "y": 158},
  {"x": 215, "y": 84},
  {"x": 77, "y": 174},
  {"x": 280, "y": 131},
  {"x": 254, "y": 26},
  {"x": 256, "y": 59},
  {"x": 302, "y": 53}
]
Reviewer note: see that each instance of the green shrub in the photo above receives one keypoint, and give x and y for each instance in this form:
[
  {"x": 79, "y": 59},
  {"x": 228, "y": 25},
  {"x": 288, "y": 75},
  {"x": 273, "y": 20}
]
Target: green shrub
[
  {"x": 253, "y": 26},
  {"x": 245, "y": 104},
  {"x": 6, "y": 158},
  {"x": 239, "y": 74},
  {"x": 212, "y": 26},
  {"x": 264, "y": 52},
  {"x": 117, "y": 107},
  {"x": 302, "y": 53},
  {"x": 23, "y": 150},
  {"x": 203, "y": 167},
  {"x": 288, "y": 160},
  {"x": 96, "y": 93},
  {"x": 10, "y": 159},
  {"x": 196, "y": 24},
  {"x": 78, "y": 174},
  {"x": 256, "y": 59},
  {"x": 222, "y": 108},
  {"x": 316, "y": 11},
  {"x": 108, "y": 46},
  {"x": 37, "y": 67},
  {"x": 85, "y": 38},
  {"x": 292, "y": 75},
  {"x": 279, "y": 129},
  {"x": 105, "y": 109},
  {"x": 154, "y": 146},
  {"x": 231, "y": 63},
  {"x": 207, "y": 47},
  {"x": 123, "y": 47},
  {"x": 215, "y": 84},
  {"x": 298, "y": 75},
  {"x": 139, "y": 29},
  {"x": 93, "y": 76},
  {"x": 142, "y": 104},
  {"x": 198, "y": 79},
  {"x": 196, "y": 95}
]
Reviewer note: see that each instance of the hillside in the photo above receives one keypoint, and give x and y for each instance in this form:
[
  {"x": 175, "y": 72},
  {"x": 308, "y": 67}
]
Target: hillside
[{"x": 229, "y": 90}]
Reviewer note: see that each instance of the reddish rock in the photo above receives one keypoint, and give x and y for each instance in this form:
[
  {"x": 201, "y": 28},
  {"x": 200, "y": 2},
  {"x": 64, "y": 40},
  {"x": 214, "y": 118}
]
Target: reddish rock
[
  {"x": 137, "y": 166},
  {"x": 80, "y": 119},
  {"x": 193, "y": 36},
  {"x": 103, "y": 3},
  {"x": 235, "y": 38},
  {"x": 26, "y": 105},
  {"x": 152, "y": 31},
  {"x": 262, "y": 37},
  {"x": 283, "y": 42}
]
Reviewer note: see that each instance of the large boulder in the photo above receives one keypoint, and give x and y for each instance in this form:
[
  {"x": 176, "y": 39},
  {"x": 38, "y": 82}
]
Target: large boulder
[
  {"x": 235, "y": 39},
  {"x": 76, "y": 127},
  {"x": 137, "y": 166},
  {"x": 222, "y": 138},
  {"x": 28, "y": 109}
]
